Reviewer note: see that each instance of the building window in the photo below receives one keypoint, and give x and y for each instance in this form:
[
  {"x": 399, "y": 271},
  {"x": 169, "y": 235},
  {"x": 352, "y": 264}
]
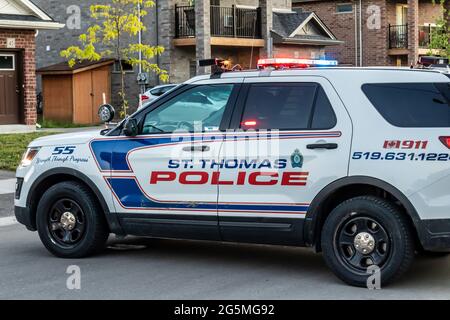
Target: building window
[
  {"x": 344, "y": 8},
  {"x": 127, "y": 67},
  {"x": 215, "y": 2},
  {"x": 7, "y": 62}
]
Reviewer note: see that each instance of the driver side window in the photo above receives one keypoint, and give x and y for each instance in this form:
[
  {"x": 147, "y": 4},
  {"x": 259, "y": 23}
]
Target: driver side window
[{"x": 199, "y": 109}]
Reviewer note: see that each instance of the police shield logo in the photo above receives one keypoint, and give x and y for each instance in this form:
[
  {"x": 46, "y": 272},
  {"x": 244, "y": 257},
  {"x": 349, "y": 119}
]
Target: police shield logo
[{"x": 297, "y": 159}]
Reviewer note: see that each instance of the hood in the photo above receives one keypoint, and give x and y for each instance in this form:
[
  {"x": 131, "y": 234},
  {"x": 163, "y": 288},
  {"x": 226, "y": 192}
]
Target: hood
[{"x": 73, "y": 138}]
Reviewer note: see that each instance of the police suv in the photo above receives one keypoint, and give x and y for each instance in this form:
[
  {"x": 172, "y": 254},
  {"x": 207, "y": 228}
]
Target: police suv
[{"x": 352, "y": 162}]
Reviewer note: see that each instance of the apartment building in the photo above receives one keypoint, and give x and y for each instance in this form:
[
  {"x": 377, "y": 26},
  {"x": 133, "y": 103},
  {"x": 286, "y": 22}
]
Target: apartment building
[
  {"x": 239, "y": 31},
  {"x": 377, "y": 32}
]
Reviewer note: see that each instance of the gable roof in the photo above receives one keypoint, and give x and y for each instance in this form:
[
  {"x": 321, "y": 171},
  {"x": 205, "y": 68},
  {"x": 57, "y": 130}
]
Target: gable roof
[
  {"x": 63, "y": 67},
  {"x": 301, "y": 27},
  {"x": 24, "y": 14}
]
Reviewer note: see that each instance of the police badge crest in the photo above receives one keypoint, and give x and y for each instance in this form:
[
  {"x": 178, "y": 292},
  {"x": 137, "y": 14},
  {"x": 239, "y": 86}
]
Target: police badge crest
[{"x": 297, "y": 159}]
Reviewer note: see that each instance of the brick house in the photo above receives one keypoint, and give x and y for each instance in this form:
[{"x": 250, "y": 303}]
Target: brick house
[
  {"x": 377, "y": 32},
  {"x": 240, "y": 31},
  {"x": 20, "y": 20}
]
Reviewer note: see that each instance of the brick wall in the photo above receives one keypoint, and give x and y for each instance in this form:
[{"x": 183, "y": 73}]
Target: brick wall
[
  {"x": 295, "y": 51},
  {"x": 375, "y": 33},
  {"x": 375, "y": 41},
  {"x": 25, "y": 40},
  {"x": 429, "y": 13},
  {"x": 342, "y": 25}
]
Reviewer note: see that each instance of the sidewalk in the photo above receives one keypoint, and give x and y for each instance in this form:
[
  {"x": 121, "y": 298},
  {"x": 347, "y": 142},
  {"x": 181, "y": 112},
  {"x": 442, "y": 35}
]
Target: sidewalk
[
  {"x": 11, "y": 129},
  {"x": 7, "y": 188}
]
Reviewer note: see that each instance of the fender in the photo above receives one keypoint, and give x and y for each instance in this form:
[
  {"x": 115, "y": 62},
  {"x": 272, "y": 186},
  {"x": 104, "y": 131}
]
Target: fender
[
  {"x": 111, "y": 218},
  {"x": 312, "y": 219}
]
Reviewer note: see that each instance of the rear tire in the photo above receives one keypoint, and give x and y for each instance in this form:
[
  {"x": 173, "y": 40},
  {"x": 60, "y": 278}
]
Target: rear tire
[
  {"x": 70, "y": 222},
  {"x": 363, "y": 232}
]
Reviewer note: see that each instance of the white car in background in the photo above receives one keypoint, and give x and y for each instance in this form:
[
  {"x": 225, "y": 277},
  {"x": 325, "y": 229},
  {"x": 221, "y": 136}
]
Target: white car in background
[{"x": 156, "y": 92}]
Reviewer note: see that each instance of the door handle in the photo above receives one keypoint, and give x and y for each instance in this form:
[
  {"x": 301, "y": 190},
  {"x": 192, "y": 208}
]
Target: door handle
[
  {"x": 196, "y": 149},
  {"x": 328, "y": 146}
]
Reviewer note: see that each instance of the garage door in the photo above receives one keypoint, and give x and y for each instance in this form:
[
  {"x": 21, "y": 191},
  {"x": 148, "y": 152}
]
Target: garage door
[{"x": 9, "y": 89}]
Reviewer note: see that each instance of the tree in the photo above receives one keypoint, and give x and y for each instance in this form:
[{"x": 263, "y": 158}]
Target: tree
[
  {"x": 440, "y": 36},
  {"x": 116, "y": 21}
]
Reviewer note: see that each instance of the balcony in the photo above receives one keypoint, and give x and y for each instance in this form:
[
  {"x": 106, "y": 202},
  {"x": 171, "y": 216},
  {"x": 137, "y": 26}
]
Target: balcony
[
  {"x": 398, "y": 36},
  {"x": 241, "y": 24}
]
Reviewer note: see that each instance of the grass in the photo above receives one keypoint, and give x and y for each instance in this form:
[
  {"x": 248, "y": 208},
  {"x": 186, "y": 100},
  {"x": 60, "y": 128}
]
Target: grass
[
  {"x": 50, "y": 124},
  {"x": 12, "y": 147}
]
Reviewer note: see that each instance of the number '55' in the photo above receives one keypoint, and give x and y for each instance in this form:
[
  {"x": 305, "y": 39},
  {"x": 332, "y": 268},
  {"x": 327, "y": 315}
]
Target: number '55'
[{"x": 63, "y": 150}]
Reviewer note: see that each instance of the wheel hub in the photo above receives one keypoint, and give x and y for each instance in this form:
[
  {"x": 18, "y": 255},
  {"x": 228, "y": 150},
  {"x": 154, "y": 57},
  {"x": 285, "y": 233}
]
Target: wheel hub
[
  {"x": 68, "y": 221},
  {"x": 364, "y": 243}
]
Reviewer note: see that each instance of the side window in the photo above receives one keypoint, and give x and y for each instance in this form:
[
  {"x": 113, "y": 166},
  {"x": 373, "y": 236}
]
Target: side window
[
  {"x": 200, "y": 108},
  {"x": 411, "y": 105},
  {"x": 287, "y": 106},
  {"x": 156, "y": 92},
  {"x": 324, "y": 116}
]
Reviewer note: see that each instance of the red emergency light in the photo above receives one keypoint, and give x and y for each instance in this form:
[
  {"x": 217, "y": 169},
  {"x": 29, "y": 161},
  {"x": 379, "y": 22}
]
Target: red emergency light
[
  {"x": 445, "y": 141},
  {"x": 290, "y": 63}
]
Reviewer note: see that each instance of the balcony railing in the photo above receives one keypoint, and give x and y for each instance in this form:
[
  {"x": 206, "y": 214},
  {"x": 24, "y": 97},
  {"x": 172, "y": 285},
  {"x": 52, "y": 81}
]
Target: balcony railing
[
  {"x": 398, "y": 36},
  {"x": 225, "y": 22}
]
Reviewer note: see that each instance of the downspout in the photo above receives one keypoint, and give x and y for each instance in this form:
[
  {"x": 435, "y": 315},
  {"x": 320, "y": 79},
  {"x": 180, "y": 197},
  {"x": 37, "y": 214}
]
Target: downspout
[
  {"x": 140, "y": 39},
  {"x": 360, "y": 35},
  {"x": 356, "y": 35},
  {"x": 157, "y": 37}
]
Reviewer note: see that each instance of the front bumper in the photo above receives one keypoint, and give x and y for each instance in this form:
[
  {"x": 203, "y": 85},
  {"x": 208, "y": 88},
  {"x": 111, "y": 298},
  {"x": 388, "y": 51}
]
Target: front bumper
[
  {"x": 435, "y": 235},
  {"x": 24, "y": 216}
]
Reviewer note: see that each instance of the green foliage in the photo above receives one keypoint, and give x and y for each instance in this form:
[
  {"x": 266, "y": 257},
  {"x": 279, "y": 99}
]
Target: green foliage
[
  {"x": 52, "y": 124},
  {"x": 116, "y": 21},
  {"x": 439, "y": 37},
  {"x": 12, "y": 147}
]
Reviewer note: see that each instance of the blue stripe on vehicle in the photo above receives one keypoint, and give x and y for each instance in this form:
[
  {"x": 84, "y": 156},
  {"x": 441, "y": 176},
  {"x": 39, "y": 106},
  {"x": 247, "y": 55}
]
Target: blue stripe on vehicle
[
  {"x": 130, "y": 195},
  {"x": 111, "y": 154}
]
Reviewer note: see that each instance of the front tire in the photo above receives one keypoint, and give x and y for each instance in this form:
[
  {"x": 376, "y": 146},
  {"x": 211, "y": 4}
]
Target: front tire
[
  {"x": 70, "y": 222},
  {"x": 364, "y": 232}
]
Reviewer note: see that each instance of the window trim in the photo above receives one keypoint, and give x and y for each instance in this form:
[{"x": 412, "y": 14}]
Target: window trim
[
  {"x": 13, "y": 61},
  {"x": 396, "y": 83},
  {"x": 344, "y": 4},
  {"x": 117, "y": 71},
  {"x": 226, "y": 118},
  {"x": 238, "y": 113}
]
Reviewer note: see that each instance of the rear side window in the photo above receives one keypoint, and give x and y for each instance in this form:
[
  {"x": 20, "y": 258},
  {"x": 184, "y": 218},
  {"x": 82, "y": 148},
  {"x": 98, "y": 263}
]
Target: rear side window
[
  {"x": 323, "y": 117},
  {"x": 411, "y": 105},
  {"x": 287, "y": 106}
]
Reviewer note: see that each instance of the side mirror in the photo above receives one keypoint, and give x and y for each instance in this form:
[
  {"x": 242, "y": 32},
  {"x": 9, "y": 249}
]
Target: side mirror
[
  {"x": 106, "y": 112},
  {"x": 130, "y": 128}
]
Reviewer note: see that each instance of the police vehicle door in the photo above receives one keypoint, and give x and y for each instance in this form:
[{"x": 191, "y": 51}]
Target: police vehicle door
[
  {"x": 293, "y": 142},
  {"x": 164, "y": 186}
]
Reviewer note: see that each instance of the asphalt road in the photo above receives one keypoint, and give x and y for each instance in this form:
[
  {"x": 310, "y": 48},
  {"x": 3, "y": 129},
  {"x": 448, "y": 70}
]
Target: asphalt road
[
  {"x": 6, "y": 193},
  {"x": 139, "y": 268}
]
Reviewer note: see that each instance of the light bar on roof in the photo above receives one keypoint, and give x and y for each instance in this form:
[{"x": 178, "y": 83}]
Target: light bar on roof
[{"x": 292, "y": 62}]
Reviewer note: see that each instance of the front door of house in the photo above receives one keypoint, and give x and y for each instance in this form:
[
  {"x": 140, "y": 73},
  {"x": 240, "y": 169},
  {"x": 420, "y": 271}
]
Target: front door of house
[{"x": 9, "y": 89}]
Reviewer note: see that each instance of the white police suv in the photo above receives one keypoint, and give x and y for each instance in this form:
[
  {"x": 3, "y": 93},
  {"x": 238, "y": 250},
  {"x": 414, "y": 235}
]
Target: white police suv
[{"x": 352, "y": 162}]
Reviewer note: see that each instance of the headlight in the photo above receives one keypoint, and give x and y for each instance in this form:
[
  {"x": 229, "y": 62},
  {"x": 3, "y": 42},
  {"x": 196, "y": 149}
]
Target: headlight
[{"x": 28, "y": 156}]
